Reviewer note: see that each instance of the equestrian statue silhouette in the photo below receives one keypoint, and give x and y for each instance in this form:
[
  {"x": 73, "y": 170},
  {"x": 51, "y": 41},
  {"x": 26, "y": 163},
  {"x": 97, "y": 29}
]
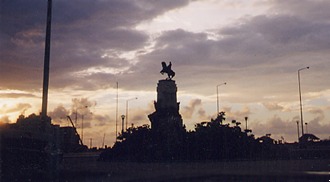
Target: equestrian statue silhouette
[{"x": 168, "y": 70}]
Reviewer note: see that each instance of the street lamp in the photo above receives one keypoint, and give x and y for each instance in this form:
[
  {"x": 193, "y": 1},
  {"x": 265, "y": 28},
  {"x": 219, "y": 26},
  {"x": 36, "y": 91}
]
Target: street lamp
[
  {"x": 90, "y": 143},
  {"x": 82, "y": 127},
  {"x": 298, "y": 129},
  {"x": 122, "y": 123},
  {"x": 127, "y": 109},
  {"x": 82, "y": 120},
  {"x": 301, "y": 112},
  {"x": 76, "y": 113},
  {"x": 218, "y": 96},
  {"x": 246, "y": 120},
  {"x": 117, "y": 113}
]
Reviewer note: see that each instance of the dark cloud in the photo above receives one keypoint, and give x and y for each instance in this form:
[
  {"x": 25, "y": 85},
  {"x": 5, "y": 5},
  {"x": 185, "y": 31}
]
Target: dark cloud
[
  {"x": 308, "y": 9},
  {"x": 260, "y": 40},
  {"x": 21, "y": 15},
  {"x": 262, "y": 51},
  {"x": 295, "y": 33},
  {"x": 95, "y": 35},
  {"x": 59, "y": 114},
  {"x": 82, "y": 32}
]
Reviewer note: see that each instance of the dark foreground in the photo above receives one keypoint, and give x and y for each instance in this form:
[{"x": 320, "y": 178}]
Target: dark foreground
[{"x": 87, "y": 168}]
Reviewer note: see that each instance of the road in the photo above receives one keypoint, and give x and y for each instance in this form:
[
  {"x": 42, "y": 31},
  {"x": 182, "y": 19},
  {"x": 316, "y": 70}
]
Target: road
[{"x": 85, "y": 167}]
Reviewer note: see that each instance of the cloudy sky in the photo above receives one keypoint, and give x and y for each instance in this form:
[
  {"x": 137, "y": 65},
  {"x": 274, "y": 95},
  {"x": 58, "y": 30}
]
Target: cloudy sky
[{"x": 256, "y": 46}]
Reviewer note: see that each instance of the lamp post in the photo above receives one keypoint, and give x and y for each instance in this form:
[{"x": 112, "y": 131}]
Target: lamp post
[
  {"x": 127, "y": 109},
  {"x": 117, "y": 112},
  {"x": 122, "y": 123},
  {"x": 301, "y": 112},
  {"x": 76, "y": 113},
  {"x": 218, "y": 96},
  {"x": 246, "y": 120},
  {"x": 82, "y": 127},
  {"x": 298, "y": 129},
  {"x": 76, "y": 116}
]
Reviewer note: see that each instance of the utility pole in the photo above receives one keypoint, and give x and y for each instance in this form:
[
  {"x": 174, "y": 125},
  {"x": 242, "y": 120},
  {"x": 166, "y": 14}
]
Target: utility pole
[{"x": 46, "y": 61}]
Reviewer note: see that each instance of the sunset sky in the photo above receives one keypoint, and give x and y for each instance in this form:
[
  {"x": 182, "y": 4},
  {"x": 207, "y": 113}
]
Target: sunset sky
[{"x": 256, "y": 46}]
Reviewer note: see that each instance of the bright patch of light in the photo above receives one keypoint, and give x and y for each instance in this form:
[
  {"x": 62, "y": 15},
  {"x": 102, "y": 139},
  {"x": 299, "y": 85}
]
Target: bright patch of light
[
  {"x": 13, "y": 91},
  {"x": 129, "y": 55},
  {"x": 9, "y": 107},
  {"x": 213, "y": 36},
  {"x": 325, "y": 93},
  {"x": 95, "y": 70},
  {"x": 199, "y": 16}
]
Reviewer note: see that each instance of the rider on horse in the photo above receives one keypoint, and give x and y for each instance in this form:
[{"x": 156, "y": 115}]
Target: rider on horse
[{"x": 168, "y": 70}]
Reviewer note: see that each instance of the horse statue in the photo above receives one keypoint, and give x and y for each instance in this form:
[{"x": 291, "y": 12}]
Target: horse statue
[{"x": 168, "y": 70}]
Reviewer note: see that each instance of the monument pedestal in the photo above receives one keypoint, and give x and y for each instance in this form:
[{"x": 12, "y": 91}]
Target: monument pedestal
[
  {"x": 166, "y": 121},
  {"x": 166, "y": 118}
]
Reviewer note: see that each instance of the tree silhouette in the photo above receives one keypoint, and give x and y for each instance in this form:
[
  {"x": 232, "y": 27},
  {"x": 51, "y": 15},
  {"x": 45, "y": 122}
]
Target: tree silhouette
[{"x": 211, "y": 140}]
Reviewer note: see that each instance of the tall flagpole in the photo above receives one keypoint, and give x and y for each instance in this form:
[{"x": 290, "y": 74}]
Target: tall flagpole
[{"x": 46, "y": 61}]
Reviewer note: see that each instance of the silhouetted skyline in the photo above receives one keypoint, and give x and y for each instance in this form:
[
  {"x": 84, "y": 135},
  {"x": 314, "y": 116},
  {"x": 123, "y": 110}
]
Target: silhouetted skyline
[{"x": 255, "y": 47}]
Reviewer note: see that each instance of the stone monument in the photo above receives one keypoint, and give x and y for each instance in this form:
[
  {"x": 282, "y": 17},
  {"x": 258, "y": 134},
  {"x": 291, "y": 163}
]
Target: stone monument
[
  {"x": 166, "y": 118},
  {"x": 166, "y": 121}
]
